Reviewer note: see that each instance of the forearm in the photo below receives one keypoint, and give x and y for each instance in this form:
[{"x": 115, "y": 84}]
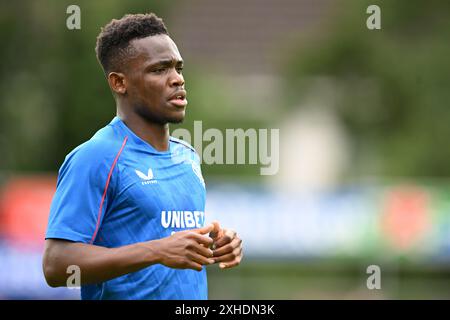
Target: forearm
[{"x": 97, "y": 264}]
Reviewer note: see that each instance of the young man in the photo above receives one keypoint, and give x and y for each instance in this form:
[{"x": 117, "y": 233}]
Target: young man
[{"x": 129, "y": 204}]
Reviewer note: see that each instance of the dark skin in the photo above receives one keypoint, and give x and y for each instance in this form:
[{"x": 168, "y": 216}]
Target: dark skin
[
  {"x": 149, "y": 93},
  {"x": 144, "y": 88}
]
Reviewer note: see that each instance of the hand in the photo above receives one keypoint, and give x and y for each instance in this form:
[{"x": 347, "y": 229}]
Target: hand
[
  {"x": 227, "y": 247},
  {"x": 187, "y": 249}
]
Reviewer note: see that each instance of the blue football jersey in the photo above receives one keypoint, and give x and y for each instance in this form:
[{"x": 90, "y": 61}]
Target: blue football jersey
[{"x": 115, "y": 190}]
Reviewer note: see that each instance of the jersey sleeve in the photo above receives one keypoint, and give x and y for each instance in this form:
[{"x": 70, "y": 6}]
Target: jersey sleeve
[{"x": 83, "y": 192}]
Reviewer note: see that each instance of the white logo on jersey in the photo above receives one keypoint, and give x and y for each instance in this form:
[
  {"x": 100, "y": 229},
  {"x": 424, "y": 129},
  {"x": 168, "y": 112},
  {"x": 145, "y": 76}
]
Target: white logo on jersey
[
  {"x": 148, "y": 178},
  {"x": 182, "y": 219}
]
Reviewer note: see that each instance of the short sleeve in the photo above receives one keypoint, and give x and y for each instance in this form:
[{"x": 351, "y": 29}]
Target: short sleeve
[{"x": 83, "y": 192}]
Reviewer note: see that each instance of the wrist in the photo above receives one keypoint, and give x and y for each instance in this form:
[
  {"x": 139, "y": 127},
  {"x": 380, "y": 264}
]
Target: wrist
[{"x": 152, "y": 253}]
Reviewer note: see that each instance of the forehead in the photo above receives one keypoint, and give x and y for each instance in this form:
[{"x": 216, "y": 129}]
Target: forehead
[{"x": 155, "y": 48}]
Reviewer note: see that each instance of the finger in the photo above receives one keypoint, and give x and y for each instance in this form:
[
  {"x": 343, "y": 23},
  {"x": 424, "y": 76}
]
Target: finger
[
  {"x": 195, "y": 257},
  {"x": 216, "y": 230},
  {"x": 227, "y": 237},
  {"x": 236, "y": 242},
  {"x": 204, "y": 251},
  {"x": 230, "y": 256},
  {"x": 202, "y": 239},
  {"x": 195, "y": 266},
  {"x": 227, "y": 265},
  {"x": 204, "y": 230}
]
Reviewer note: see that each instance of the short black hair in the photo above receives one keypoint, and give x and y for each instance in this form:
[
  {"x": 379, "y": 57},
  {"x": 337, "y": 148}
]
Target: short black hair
[{"x": 114, "y": 38}]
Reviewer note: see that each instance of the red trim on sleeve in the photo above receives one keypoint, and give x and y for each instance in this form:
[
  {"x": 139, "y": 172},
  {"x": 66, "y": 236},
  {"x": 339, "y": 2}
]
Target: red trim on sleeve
[{"x": 106, "y": 189}]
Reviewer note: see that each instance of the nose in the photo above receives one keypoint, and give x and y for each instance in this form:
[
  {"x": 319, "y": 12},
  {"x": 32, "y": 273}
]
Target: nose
[{"x": 176, "y": 79}]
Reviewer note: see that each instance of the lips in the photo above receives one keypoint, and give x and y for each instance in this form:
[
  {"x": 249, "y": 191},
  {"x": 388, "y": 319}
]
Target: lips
[
  {"x": 181, "y": 94},
  {"x": 178, "y": 98}
]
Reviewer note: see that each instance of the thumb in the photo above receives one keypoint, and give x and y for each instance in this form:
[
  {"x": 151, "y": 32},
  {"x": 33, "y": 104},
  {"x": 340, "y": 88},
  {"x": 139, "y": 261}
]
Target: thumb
[
  {"x": 216, "y": 230},
  {"x": 204, "y": 230}
]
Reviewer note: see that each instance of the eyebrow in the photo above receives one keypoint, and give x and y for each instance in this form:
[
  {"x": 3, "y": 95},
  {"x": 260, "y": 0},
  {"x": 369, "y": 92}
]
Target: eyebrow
[{"x": 165, "y": 63}]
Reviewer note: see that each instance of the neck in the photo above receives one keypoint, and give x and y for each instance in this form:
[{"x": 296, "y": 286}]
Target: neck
[{"x": 157, "y": 135}]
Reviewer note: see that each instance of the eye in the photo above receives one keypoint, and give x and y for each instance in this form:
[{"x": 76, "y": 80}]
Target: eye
[
  {"x": 179, "y": 69},
  {"x": 159, "y": 70}
]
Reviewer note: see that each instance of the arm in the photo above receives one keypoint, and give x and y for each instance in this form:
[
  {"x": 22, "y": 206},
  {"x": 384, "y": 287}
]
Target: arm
[{"x": 182, "y": 250}]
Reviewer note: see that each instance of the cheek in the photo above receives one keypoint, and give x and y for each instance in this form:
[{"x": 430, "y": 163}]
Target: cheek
[{"x": 153, "y": 89}]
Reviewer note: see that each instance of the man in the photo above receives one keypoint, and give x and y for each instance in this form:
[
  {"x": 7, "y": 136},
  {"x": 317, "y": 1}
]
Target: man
[{"x": 129, "y": 204}]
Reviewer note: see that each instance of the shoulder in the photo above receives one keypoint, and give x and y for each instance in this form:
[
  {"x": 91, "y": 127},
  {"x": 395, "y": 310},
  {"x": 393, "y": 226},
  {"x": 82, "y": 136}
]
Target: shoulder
[
  {"x": 183, "y": 143},
  {"x": 184, "y": 151},
  {"x": 97, "y": 152}
]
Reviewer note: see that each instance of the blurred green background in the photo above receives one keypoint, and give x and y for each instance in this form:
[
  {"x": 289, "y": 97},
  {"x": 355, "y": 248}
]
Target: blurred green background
[{"x": 357, "y": 109}]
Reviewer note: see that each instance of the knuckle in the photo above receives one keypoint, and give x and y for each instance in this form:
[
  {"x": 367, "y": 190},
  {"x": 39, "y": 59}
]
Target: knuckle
[
  {"x": 189, "y": 245},
  {"x": 184, "y": 264},
  {"x": 208, "y": 253},
  {"x": 190, "y": 234},
  {"x": 182, "y": 234}
]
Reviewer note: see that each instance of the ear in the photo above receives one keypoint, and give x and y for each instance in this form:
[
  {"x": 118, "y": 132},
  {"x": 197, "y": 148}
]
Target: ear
[{"x": 117, "y": 82}]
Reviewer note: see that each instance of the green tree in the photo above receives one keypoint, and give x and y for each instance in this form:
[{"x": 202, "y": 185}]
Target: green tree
[{"x": 392, "y": 84}]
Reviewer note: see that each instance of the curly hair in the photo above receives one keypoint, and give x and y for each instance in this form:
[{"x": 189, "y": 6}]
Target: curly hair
[{"x": 113, "y": 40}]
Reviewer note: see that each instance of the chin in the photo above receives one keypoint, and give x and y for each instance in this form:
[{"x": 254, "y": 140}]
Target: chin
[{"x": 178, "y": 118}]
